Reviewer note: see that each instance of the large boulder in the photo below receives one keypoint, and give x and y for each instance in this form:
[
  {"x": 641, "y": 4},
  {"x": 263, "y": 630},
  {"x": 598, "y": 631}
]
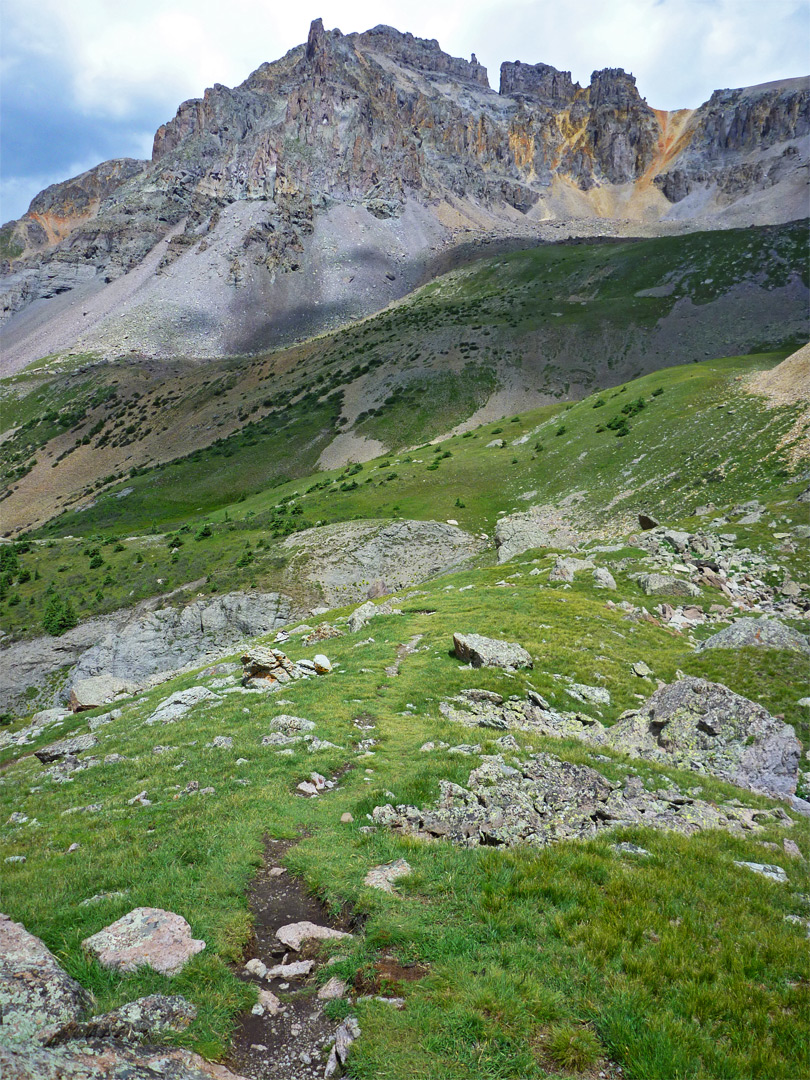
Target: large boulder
[
  {"x": 66, "y": 748},
  {"x": 760, "y": 633},
  {"x": 270, "y": 666},
  {"x": 97, "y": 690},
  {"x": 145, "y": 937},
  {"x": 101, "y": 1059},
  {"x": 490, "y": 652},
  {"x": 37, "y": 997},
  {"x": 665, "y": 585},
  {"x": 341, "y": 559},
  {"x": 539, "y": 527},
  {"x": 704, "y": 726}
]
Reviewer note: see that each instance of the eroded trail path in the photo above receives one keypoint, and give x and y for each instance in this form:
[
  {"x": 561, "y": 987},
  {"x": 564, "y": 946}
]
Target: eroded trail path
[{"x": 291, "y": 1039}]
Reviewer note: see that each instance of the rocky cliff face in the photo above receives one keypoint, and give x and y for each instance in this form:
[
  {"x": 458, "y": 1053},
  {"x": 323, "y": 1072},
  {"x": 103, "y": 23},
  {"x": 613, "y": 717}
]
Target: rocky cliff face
[{"x": 319, "y": 189}]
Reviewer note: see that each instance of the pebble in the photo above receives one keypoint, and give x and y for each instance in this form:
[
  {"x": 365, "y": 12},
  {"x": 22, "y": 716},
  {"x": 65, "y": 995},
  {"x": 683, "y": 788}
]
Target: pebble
[{"x": 346, "y": 819}]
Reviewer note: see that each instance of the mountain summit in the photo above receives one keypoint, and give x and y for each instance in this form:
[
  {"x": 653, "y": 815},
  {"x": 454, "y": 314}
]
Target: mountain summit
[{"x": 334, "y": 180}]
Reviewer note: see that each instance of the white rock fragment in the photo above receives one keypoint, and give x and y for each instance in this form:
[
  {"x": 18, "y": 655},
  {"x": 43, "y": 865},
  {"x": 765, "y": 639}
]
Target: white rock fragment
[{"x": 293, "y": 935}]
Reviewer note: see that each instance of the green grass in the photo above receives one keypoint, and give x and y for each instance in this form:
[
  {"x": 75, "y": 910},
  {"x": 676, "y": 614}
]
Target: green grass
[
  {"x": 678, "y": 965},
  {"x": 662, "y": 467},
  {"x": 563, "y": 320}
]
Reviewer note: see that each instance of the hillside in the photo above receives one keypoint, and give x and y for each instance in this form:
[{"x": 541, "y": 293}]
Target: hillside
[
  {"x": 210, "y": 797},
  {"x": 481, "y": 342}
]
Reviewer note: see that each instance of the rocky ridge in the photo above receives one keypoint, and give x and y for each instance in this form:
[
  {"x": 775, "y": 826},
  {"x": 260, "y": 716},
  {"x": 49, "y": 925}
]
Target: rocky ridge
[{"x": 384, "y": 136}]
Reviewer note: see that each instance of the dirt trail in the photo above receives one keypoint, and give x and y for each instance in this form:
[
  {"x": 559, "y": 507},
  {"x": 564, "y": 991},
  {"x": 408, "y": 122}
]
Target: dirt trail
[{"x": 293, "y": 1044}]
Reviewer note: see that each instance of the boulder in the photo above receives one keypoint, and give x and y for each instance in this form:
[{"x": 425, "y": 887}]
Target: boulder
[
  {"x": 663, "y": 584},
  {"x": 37, "y": 997},
  {"x": 565, "y": 568},
  {"x": 65, "y": 748},
  {"x": 101, "y": 1059},
  {"x": 360, "y": 616},
  {"x": 98, "y": 690},
  {"x": 490, "y": 652},
  {"x": 270, "y": 665},
  {"x": 379, "y": 588},
  {"x": 760, "y": 633},
  {"x": 647, "y": 522},
  {"x": 704, "y": 726},
  {"x": 172, "y": 708},
  {"x": 603, "y": 579},
  {"x": 539, "y": 527},
  {"x": 145, "y": 937}
]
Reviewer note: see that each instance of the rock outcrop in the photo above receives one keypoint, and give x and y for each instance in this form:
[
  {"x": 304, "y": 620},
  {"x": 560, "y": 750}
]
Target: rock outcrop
[
  {"x": 705, "y": 727},
  {"x": 341, "y": 559},
  {"x": 378, "y": 132},
  {"x": 37, "y": 997},
  {"x": 544, "y": 800},
  {"x": 120, "y": 652}
]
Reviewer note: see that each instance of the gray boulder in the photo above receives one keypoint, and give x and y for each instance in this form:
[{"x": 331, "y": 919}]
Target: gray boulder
[
  {"x": 761, "y": 633},
  {"x": 89, "y": 693},
  {"x": 705, "y": 727},
  {"x": 603, "y": 579},
  {"x": 489, "y": 652},
  {"x": 360, "y": 616},
  {"x": 65, "y": 748},
  {"x": 177, "y": 705},
  {"x": 664, "y": 585},
  {"x": 539, "y": 527},
  {"x": 37, "y": 997},
  {"x": 564, "y": 569}
]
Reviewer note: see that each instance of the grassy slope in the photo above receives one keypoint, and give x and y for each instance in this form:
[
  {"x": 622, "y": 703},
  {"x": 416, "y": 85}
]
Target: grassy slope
[
  {"x": 681, "y": 965},
  {"x": 559, "y": 320},
  {"x": 720, "y": 448}
]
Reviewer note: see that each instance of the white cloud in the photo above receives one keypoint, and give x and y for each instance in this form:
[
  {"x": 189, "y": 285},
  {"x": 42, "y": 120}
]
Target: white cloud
[{"x": 120, "y": 55}]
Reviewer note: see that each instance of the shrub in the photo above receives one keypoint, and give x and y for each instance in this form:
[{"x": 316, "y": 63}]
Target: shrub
[
  {"x": 561, "y": 430},
  {"x": 58, "y": 616},
  {"x": 573, "y": 1048},
  {"x": 600, "y": 401},
  {"x": 95, "y": 562}
]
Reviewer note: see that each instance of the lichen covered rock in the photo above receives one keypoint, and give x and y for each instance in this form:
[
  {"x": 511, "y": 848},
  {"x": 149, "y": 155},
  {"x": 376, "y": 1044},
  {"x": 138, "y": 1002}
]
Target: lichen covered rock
[{"x": 704, "y": 726}]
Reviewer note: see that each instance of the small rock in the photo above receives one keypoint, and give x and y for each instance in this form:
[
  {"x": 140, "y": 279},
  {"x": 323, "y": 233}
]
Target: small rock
[
  {"x": 641, "y": 669},
  {"x": 145, "y": 937},
  {"x": 73, "y": 847},
  {"x": 629, "y": 849},
  {"x": 293, "y": 935},
  {"x": 256, "y": 967},
  {"x": 334, "y": 988},
  {"x": 322, "y": 664},
  {"x": 15, "y": 859},
  {"x": 295, "y": 970},
  {"x": 345, "y": 1035},
  {"x": 222, "y": 742},
  {"x": 346, "y": 819},
  {"x": 383, "y": 877},
  {"x": 792, "y": 848},
  {"x": 269, "y": 1002},
  {"x": 775, "y": 873}
]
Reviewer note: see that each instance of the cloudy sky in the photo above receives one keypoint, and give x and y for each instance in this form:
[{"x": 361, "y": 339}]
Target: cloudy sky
[{"x": 87, "y": 80}]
